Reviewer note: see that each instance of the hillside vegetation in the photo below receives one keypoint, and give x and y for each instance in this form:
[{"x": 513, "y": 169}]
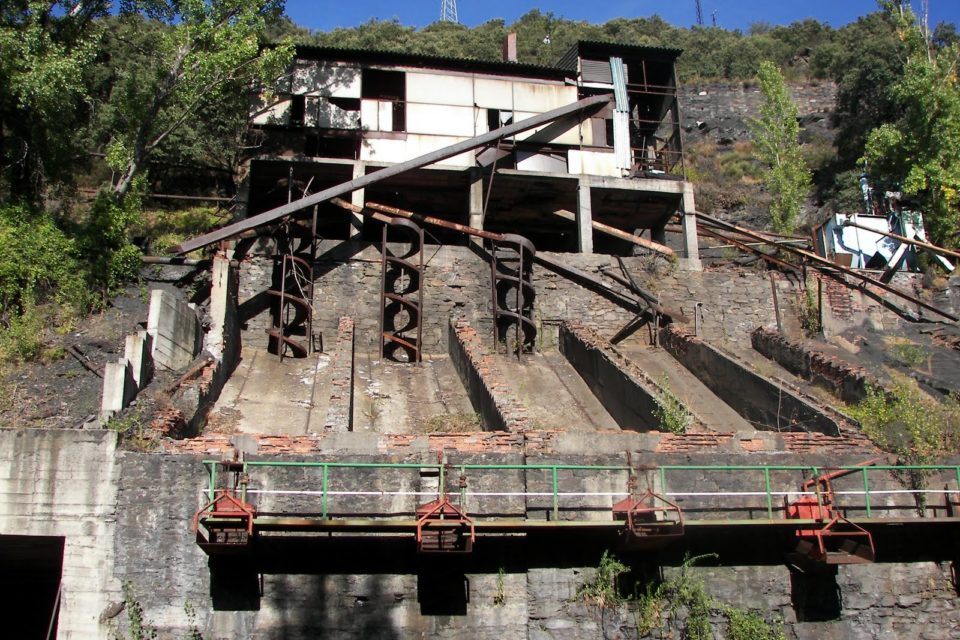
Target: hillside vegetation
[{"x": 124, "y": 99}]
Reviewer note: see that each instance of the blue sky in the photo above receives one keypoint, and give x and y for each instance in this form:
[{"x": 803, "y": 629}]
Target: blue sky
[{"x": 731, "y": 14}]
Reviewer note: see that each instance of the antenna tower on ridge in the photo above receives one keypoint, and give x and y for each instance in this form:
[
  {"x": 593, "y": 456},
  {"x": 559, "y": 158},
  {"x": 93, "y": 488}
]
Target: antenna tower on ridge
[
  {"x": 699, "y": 12},
  {"x": 448, "y": 11}
]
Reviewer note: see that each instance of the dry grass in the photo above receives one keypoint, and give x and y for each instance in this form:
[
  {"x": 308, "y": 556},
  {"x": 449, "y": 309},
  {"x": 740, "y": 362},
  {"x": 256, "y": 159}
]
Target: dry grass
[{"x": 452, "y": 423}]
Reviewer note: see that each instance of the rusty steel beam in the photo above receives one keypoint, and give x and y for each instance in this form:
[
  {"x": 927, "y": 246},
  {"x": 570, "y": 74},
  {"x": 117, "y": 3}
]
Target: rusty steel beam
[
  {"x": 437, "y": 222},
  {"x": 416, "y": 163},
  {"x": 575, "y": 275},
  {"x": 751, "y": 248},
  {"x": 617, "y": 233},
  {"x": 825, "y": 265}
]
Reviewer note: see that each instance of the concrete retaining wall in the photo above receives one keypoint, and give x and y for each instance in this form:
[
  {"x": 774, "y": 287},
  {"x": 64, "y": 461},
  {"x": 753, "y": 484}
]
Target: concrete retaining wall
[
  {"x": 175, "y": 329},
  {"x": 457, "y": 283},
  {"x": 628, "y": 395},
  {"x": 497, "y": 407},
  {"x": 64, "y": 483},
  {"x": 845, "y": 381},
  {"x": 126, "y": 516},
  {"x": 766, "y": 404}
]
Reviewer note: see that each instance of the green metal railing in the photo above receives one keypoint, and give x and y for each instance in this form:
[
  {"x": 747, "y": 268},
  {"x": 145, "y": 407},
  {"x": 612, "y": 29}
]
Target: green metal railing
[{"x": 556, "y": 473}]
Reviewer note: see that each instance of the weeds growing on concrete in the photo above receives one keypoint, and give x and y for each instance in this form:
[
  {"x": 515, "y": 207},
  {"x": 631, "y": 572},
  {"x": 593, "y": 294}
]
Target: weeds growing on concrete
[
  {"x": 910, "y": 354},
  {"x": 912, "y": 425},
  {"x": 137, "y": 626},
  {"x": 499, "y": 597},
  {"x": 603, "y": 590},
  {"x": 678, "y": 603},
  {"x": 671, "y": 412},
  {"x": 810, "y": 319},
  {"x": 133, "y": 430}
]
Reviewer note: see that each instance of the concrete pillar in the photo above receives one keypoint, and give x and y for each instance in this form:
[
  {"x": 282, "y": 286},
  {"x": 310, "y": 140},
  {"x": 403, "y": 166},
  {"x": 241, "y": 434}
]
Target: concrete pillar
[
  {"x": 476, "y": 199},
  {"x": 223, "y": 338},
  {"x": 137, "y": 351},
  {"x": 119, "y": 389},
  {"x": 357, "y": 198},
  {"x": 691, "y": 246},
  {"x": 175, "y": 329},
  {"x": 584, "y": 218}
]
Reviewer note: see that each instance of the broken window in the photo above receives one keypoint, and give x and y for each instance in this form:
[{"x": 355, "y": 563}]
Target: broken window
[
  {"x": 298, "y": 107},
  {"x": 387, "y": 87},
  {"x": 497, "y": 118}
]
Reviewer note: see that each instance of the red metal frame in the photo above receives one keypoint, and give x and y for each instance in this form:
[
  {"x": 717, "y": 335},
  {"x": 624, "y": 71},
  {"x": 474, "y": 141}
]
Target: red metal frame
[
  {"x": 443, "y": 528},
  {"x": 220, "y": 517},
  {"x": 640, "y": 514},
  {"x": 848, "y": 544}
]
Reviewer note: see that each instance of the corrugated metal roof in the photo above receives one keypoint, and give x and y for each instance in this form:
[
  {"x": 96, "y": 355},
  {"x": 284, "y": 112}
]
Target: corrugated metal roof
[
  {"x": 569, "y": 59},
  {"x": 566, "y": 64},
  {"x": 375, "y": 56}
]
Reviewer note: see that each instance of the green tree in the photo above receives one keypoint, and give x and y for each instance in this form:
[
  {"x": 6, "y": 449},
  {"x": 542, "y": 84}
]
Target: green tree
[
  {"x": 865, "y": 60},
  {"x": 921, "y": 150},
  {"x": 776, "y": 143},
  {"x": 204, "y": 53},
  {"x": 45, "y": 47}
]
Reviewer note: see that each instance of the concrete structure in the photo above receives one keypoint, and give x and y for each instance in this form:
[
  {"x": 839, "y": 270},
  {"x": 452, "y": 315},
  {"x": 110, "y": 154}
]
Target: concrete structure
[
  {"x": 341, "y": 114},
  {"x": 175, "y": 330},
  {"x": 541, "y": 444}
]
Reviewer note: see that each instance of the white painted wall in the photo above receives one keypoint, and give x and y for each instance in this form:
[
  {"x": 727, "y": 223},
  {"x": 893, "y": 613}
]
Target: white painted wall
[
  {"x": 593, "y": 163},
  {"x": 414, "y": 145},
  {"x": 328, "y": 79},
  {"x": 433, "y": 88},
  {"x": 440, "y": 120}
]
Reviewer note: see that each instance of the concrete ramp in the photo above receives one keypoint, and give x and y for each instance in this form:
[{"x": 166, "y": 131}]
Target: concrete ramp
[
  {"x": 554, "y": 394},
  {"x": 660, "y": 365},
  {"x": 266, "y": 396},
  {"x": 396, "y": 397}
]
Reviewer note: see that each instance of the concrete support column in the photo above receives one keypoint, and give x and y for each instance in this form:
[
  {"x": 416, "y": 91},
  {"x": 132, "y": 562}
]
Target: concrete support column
[
  {"x": 357, "y": 198},
  {"x": 223, "y": 338},
  {"x": 691, "y": 245},
  {"x": 137, "y": 351},
  {"x": 584, "y": 218},
  {"x": 476, "y": 199}
]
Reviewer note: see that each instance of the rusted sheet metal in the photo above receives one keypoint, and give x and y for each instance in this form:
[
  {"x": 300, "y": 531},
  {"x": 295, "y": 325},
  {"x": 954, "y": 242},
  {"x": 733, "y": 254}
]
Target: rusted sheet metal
[
  {"x": 896, "y": 236},
  {"x": 416, "y": 163},
  {"x": 828, "y": 267}
]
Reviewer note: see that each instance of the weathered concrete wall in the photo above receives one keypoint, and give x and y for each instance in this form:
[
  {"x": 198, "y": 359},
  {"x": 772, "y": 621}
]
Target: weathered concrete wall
[
  {"x": 340, "y": 406},
  {"x": 457, "y": 282},
  {"x": 175, "y": 328},
  {"x": 126, "y": 515},
  {"x": 64, "y": 483},
  {"x": 392, "y": 593},
  {"x": 497, "y": 407},
  {"x": 847, "y": 382},
  {"x": 628, "y": 394},
  {"x": 764, "y": 403}
]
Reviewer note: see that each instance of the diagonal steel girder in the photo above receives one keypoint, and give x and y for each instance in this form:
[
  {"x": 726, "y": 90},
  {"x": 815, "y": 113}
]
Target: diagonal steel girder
[{"x": 416, "y": 163}]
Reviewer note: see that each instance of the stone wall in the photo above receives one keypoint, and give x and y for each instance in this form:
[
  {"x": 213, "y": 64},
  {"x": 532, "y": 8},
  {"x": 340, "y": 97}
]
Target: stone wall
[
  {"x": 126, "y": 517},
  {"x": 847, "y": 382},
  {"x": 457, "y": 283},
  {"x": 719, "y": 112}
]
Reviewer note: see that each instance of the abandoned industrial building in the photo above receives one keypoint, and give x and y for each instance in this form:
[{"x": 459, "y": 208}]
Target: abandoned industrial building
[{"x": 458, "y": 347}]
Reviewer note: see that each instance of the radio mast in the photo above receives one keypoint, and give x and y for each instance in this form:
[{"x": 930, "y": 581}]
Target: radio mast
[{"x": 448, "y": 11}]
